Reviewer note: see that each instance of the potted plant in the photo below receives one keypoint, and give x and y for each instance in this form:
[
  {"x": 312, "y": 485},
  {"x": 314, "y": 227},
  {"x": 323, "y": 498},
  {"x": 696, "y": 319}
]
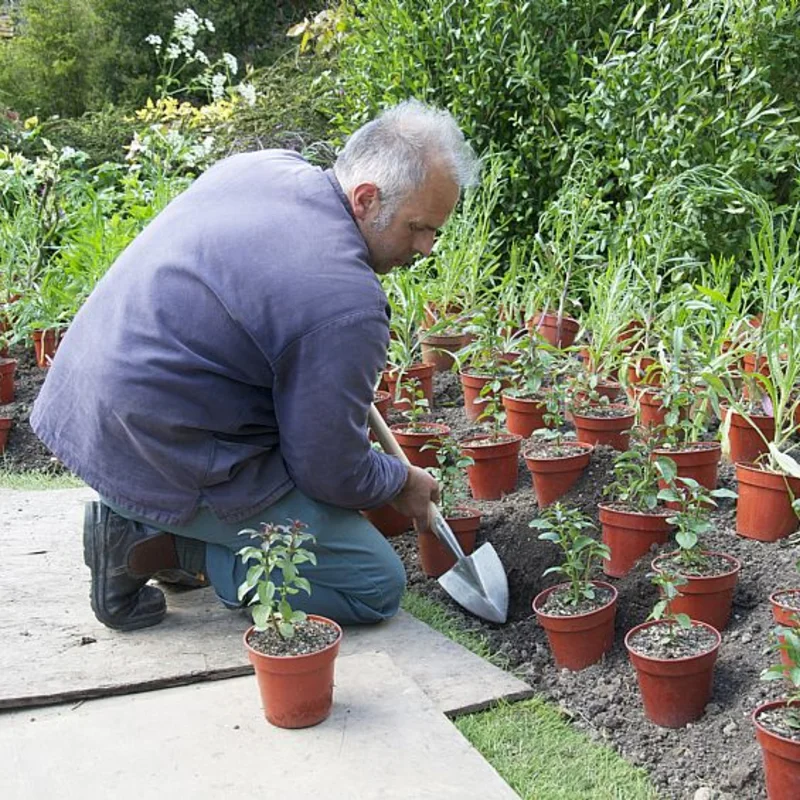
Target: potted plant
[
  {"x": 769, "y": 487},
  {"x": 526, "y": 400},
  {"x": 778, "y": 721},
  {"x": 415, "y": 434},
  {"x": 633, "y": 521},
  {"x": 495, "y": 453},
  {"x": 578, "y": 616},
  {"x": 674, "y": 659},
  {"x": 463, "y": 520},
  {"x": 555, "y": 463},
  {"x": 710, "y": 577},
  {"x": 292, "y": 652}
]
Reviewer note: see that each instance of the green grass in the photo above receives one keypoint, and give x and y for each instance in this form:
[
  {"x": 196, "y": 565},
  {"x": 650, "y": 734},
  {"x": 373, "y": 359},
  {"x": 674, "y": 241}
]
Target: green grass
[
  {"x": 536, "y": 751},
  {"x": 37, "y": 480}
]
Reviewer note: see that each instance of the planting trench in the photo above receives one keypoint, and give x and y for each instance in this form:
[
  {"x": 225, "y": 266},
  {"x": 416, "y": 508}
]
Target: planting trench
[{"x": 718, "y": 751}]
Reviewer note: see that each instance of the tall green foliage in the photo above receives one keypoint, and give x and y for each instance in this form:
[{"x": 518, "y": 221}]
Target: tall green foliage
[{"x": 506, "y": 70}]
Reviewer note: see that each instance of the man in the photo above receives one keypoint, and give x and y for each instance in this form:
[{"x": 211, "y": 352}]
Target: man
[{"x": 220, "y": 374}]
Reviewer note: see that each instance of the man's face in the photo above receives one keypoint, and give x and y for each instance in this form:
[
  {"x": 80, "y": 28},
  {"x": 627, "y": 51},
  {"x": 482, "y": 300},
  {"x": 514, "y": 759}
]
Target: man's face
[{"x": 412, "y": 228}]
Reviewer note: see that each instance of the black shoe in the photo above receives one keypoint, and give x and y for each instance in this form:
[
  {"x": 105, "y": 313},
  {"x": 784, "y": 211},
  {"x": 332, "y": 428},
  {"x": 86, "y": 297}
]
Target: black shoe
[
  {"x": 183, "y": 578},
  {"x": 119, "y": 600}
]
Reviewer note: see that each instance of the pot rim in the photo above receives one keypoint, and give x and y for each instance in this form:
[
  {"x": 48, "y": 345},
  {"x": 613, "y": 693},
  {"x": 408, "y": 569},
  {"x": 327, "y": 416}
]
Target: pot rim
[
  {"x": 300, "y": 657},
  {"x": 606, "y": 507},
  {"x": 506, "y": 438},
  {"x": 438, "y": 427},
  {"x": 630, "y": 412},
  {"x": 584, "y": 447},
  {"x": 697, "y": 447},
  {"x": 653, "y": 622},
  {"x": 584, "y": 614},
  {"x": 769, "y": 705},
  {"x": 779, "y": 604},
  {"x": 737, "y": 565},
  {"x": 751, "y": 466},
  {"x": 416, "y": 367}
]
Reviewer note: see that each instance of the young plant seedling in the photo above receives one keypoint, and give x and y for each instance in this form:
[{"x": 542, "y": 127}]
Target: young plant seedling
[
  {"x": 667, "y": 584},
  {"x": 449, "y": 473},
  {"x": 567, "y": 528},
  {"x": 280, "y": 548},
  {"x": 693, "y": 519},
  {"x": 785, "y": 642},
  {"x": 493, "y": 415},
  {"x": 416, "y": 407}
]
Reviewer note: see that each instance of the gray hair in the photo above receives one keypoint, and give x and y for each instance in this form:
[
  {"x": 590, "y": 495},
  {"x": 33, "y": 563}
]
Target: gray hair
[{"x": 395, "y": 150}]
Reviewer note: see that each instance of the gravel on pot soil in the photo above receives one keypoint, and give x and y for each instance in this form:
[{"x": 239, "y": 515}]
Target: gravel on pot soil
[
  {"x": 309, "y": 637},
  {"x": 789, "y": 599},
  {"x": 538, "y": 449},
  {"x": 604, "y": 412},
  {"x": 558, "y": 605},
  {"x": 714, "y": 564},
  {"x": 782, "y": 721},
  {"x": 658, "y": 641}
]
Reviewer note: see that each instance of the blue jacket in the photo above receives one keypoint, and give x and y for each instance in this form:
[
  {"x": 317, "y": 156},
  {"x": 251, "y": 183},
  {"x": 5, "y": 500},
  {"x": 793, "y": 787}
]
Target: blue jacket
[{"x": 229, "y": 354}]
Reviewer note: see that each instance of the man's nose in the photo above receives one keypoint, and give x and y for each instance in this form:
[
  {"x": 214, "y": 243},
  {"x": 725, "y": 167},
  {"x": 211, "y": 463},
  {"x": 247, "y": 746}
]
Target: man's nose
[{"x": 423, "y": 242}]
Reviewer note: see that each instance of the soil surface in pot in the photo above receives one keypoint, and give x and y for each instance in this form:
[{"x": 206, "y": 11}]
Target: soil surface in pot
[
  {"x": 487, "y": 442},
  {"x": 782, "y": 722},
  {"x": 309, "y": 637},
  {"x": 789, "y": 599},
  {"x": 656, "y": 641},
  {"x": 602, "y": 412},
  {"x": 423, "y": 427},
  {"x": 558, "y": 604},
  {"x": 713, "y": 565},
  {"x": 544, "y": 449},
  {"x": 626, "y": 509},
  {"x": 693, "y": 447},
  {"x": 719, "y": 750}
]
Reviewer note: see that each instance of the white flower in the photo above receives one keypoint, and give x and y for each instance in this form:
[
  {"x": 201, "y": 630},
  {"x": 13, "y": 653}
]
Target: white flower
[
  {"x": 187, "y": 22},
  {"x": 68, "y": 152},
  {"x": 218, "y": 81},
  {"x": 230, "y": 62},
  {"x": 209, "y": 25},
  {"x": 173, "y": 51},
  {"x": 200, "y": 56},
  {"x": 153, "y": 39},
  {"x": 248, "y": 92}
]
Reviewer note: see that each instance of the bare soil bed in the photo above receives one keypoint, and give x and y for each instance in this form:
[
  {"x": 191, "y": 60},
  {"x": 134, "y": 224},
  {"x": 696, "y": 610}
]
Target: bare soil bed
[{"x": 719, "y": 750}]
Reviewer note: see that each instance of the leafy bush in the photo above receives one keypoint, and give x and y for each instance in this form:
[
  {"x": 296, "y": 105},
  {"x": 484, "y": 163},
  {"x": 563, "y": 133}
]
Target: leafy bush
[{"x": 505, "y": 70}]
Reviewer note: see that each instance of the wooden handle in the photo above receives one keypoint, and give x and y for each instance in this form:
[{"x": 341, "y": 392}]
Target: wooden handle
[{"x": 384, "y": 435}]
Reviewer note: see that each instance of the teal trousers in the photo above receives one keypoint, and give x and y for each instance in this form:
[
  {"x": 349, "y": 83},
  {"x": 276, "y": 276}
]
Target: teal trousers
[{"x": 358, "y": 577}]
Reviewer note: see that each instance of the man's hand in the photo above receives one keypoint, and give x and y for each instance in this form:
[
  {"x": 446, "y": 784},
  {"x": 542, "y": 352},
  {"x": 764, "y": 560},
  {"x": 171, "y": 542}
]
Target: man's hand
[{"x": 414, "y": 498}]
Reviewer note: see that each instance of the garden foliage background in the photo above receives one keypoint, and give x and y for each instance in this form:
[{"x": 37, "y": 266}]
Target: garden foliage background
[{"x": 651, "y": 132}]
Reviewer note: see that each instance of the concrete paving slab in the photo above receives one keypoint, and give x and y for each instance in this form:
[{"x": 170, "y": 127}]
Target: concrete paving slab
[
  {"x": 384, "y": 739},
  {"x": 54, "y": 649}
]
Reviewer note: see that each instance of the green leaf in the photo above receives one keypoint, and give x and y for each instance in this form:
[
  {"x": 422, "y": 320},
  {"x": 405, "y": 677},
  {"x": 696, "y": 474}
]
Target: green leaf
[
  {"x": 286, "y": 629},
  {"x": 304, "y": 584},
  {"x": 260, "y": 617},
  {"x": 787, "y": 464},
  {"x": 684, "y": 620}
]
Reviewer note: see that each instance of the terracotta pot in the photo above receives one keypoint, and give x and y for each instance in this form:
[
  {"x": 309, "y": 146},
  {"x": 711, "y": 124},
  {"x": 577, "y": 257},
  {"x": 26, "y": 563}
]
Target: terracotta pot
[
  {"x": 388, "y": 521},
  {"x": 546, "y": 325},
  {"x": 437, "y": 350},
  {"x": 554, "y": 477},
  {"x": 524, "y": 415},
  {"x": 611, "y": 431},
  {"x": 608, "y": 389},
  {"x": 707, "y": 599},
  {"x": 700, "y": 464},
  {"x": 781, "y": 758},
  {"x": 5, "y": 427},
  {"x": 45, "y": 344},
  {"x": 433, "y": 313},
  {"x": 7, "y": 369},
  {"x": 434, "y": 557},
  {"x": 630, "y": 330},
  {"x": 423, "y": 373},
  {"x": 296, "y": 691},
  {"x": 630, "y": 535},
  {"x": 581, "y": 640},
  {"x": 383, "y": 402},
  {"x": 472, "y": 385},
  {"x": 494, "y": 472},
  {"x": 412, "y": 442},
  {"x": 783, "y": 614},
  {"x": 764, "y": 509},
  {"x": 651, "y": 413},
  {"x": 746, "y": 444},
  {"x": 752, "y": 365},
  {"x": 637, "y": 372},
  {"x": 674, "y": 690}
]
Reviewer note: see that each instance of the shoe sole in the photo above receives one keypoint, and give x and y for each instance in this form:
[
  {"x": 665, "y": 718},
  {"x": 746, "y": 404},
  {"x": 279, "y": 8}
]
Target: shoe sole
[{"x": 91, "y": 522}]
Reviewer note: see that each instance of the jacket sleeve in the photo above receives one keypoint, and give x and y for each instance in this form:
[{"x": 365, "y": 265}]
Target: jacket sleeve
[{"x": 323, "y": 386}]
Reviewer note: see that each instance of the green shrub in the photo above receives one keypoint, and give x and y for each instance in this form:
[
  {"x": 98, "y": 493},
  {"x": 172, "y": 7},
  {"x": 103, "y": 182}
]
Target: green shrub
[{"x": 505, "y": 70}]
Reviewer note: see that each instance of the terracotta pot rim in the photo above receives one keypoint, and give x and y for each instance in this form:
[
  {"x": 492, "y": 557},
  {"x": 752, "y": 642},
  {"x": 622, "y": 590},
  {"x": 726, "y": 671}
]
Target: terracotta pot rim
[
  {"x": 530, "y": 400},
  {"x": 685, "y": 659},
  {"x": 629, "y": 412},
  {"x": 417, "y": 366},
  {"x": 606, "y": 507},
  {"x": 779, "y": 604},
  {"x": 546, "y": 592},
  {"x": 302, "y": 656},
  {"x": 505, "y": 438},
  {"x": 381, "y": 394},
  {"x": 566, "y": 321},
  {"x": 442, "y": 338},
  {"x": 697, "y": 447},
  {"x": 735, "y": 414},
  {"x": 473, "y": 513},
  {"x": 435, "y": 427},
  {"x": 737, "y": 565},
  {"x": 769, "y": 706},
  {"x": 584, "y": 447},
  {"x": 750, "y": 466}
]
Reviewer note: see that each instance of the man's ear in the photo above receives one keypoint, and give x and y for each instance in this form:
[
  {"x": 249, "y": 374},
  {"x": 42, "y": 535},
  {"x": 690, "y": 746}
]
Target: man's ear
[{"x": 365, "y": 199}]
